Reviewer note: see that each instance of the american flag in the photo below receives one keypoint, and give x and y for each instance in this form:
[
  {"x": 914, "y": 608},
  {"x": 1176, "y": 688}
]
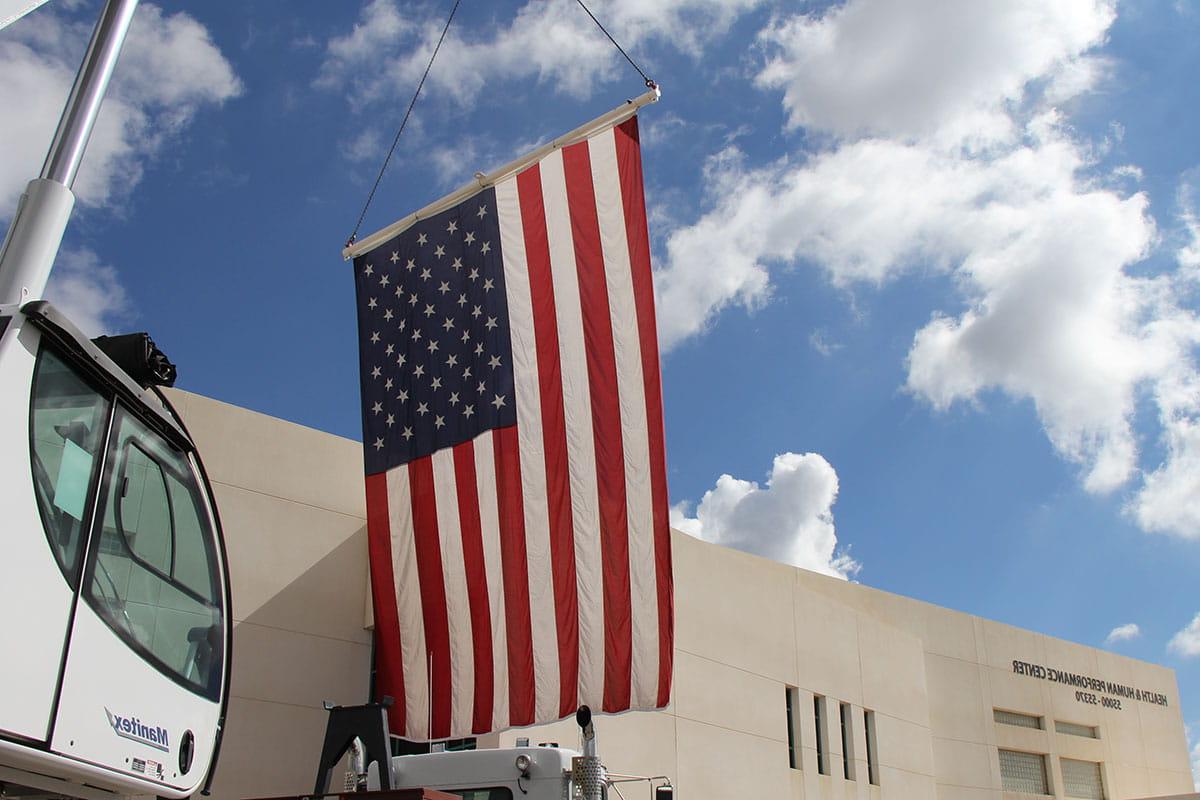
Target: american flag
[{"x": 513, "y": 440}]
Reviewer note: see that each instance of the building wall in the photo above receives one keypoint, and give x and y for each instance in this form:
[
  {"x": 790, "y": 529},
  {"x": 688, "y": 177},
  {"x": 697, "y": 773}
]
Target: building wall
[
  {"x": 747, "y": 631},
  {"x": 292, "y": 508},
  {"x": 970, "y": 672}
]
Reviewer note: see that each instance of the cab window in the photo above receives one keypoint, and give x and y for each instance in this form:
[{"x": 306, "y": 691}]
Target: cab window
[
  {"x": 154, "y": 575},
  {"x": 68, "y": 426}
]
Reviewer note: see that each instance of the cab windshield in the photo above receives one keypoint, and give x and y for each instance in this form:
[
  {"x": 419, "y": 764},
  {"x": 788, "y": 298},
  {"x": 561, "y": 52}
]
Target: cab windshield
[{"x": 154, "y": 578}]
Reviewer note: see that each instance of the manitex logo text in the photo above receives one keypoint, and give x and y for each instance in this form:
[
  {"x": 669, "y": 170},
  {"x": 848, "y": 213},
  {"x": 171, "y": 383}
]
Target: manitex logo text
[{"x": 135, "y": 730}]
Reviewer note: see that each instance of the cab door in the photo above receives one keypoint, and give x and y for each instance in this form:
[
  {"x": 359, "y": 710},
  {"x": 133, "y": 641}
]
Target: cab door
[
  {"x": 53, "y": 428},
  {"x": 143, "y": 679}
]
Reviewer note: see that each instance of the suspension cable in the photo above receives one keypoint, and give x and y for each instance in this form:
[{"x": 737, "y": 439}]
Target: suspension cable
[
  {"x": 633, "y": 64},
  {"x": 391, "y": 150},
  {"x": 403, "y": 122}
]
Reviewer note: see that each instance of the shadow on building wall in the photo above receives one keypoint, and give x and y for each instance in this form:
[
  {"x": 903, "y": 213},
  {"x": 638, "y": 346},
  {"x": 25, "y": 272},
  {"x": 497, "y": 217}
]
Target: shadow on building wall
[{"x": 304, "y": 645}]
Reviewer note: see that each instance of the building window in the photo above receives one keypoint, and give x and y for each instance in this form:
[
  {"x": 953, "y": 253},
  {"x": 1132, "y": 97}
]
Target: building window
[
  {"x": 872, "y": 756},
  {"x": 1074, "y": 729},
  {"x": 793, "y": 731},
  {"x": 1081, "y": 779},
  {"x": 1023, "y": 772},
  {"x": 1014, "y": 718},
  {"x": 822, "y": 741},
  {"x": 847, "y": 742}
]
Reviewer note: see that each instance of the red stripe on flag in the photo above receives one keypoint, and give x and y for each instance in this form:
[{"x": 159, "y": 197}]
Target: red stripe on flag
[
  {"x": 629, "y": 164},
  {"x": 606, "y": 426},
  {"x": 389, "y": 664},
  {"x": 477, "y": 589},
  {"x": 511, "y": 511},
  {"x": 433, "y": 593},
  {"x": 554, "y": 436}
]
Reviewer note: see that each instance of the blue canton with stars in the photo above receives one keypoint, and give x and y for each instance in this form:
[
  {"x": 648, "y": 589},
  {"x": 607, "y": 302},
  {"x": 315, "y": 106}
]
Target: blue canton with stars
[{"x": 435, "y": 357}]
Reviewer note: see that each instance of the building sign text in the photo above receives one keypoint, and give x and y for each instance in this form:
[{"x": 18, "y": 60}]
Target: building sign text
[{"x": 1093, "y": 686}]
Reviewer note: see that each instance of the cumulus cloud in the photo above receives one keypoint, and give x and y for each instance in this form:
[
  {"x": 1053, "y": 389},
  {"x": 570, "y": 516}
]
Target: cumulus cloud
[
  {"x": 1168, "y": 501},
  {"x": 89, "y": 292},
  {"x": 1039, "y": 253},
  {"x": 987, "y": 183},
  {"x": 1053, "y": 315},
  {"x": 550, "y": 41},
  {"x": 929, "y": 68},
  {"x": 1123, "y": 633},
  {"x": 863, "y": 212},
  {"x": 1186, "y": 642},
  {"x": 169, "y": 69},
  {"x": 789, "y": 520}
]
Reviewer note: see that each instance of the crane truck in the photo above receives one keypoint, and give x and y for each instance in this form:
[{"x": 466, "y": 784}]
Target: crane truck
[
  {"x": 546, "y": 772},
  {"x": 116, "y": 613}
]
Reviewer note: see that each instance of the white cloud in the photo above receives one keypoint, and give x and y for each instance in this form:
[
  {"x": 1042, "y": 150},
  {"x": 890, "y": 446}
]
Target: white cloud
[
  {"x": 1123, "y": 633},
  {"x": 89, "y": 292},
  {"x": 901, "y": 88},
  {"x": 1189, "y": 254},
  {"x": 790, "y": 520},
  {"x": 455, "y": 164},
  {"x": 1040, "y": 247},
  {"x": 819, "y": 340},
  {"x": 1040, "y": 255},
  {"x": 1186, "y": 642},
  {"x": 1053, "y": 316},
  {"x": 1169, "y": 500},
  {"x": 1188, "y": 197},
  {"x": 169, "y": 69},
  {"x": 366, "y": 146},
  {"x": 379, "y": 29},
  {"x": 550, "y": 41},
  {"x": 708, "y": 266},
  {"x": 661, "y": 129},
  {"x": 927, "y": 67},
  {"x": 865, "y": 211}
]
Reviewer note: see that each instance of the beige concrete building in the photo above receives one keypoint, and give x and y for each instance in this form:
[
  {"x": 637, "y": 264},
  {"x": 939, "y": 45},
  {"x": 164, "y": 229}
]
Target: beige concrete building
[{"x": 788, "y": 684}]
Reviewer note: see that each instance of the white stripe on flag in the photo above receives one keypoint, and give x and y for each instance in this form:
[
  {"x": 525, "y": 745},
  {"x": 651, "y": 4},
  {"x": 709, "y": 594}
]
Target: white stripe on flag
[
  {"x": 533, "y": 459},
  {"x": 631, "y": 390},
  {"x": 408, "y": 593},
  {"x": 458, "y": 606},
  {"x": 581, "y": 447},
  {"x": 489, "y": 522}
]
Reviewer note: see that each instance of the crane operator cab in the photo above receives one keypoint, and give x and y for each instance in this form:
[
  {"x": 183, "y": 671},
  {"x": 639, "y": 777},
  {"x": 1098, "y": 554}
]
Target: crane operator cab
[{"x": 115, "y": 609}]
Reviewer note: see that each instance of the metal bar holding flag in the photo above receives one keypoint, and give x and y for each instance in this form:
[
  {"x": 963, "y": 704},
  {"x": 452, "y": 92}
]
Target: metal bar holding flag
[{"x": 513, "y": 444}]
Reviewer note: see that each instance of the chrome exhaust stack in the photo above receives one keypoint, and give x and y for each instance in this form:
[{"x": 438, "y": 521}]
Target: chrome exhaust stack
[{"x": 587, "y": 773}]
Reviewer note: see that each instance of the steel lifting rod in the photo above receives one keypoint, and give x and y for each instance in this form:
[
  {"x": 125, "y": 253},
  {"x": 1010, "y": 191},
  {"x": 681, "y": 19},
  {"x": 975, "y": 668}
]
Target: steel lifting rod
[{"x": 37, "y": 229}]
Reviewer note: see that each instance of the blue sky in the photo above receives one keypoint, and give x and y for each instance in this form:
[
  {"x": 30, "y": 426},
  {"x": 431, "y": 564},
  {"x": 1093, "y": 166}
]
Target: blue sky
[{"x": 927, "y": 272}]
